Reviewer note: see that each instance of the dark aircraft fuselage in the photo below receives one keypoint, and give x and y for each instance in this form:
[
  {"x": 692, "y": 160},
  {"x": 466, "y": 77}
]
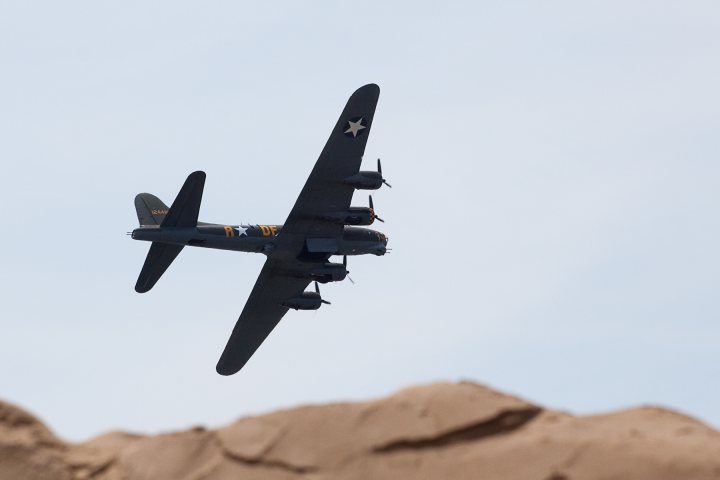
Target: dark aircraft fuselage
[{"x": 256, "y": 238}]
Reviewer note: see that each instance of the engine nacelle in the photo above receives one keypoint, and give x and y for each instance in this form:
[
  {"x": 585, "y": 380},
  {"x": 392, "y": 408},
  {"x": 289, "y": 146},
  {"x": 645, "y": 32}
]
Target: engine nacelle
[
  {"x": 353, "y": 216},
  {"x": 306, "y": 301},
  {"x": 365, "y": 180},
  {"x": 329, "y": 272}
]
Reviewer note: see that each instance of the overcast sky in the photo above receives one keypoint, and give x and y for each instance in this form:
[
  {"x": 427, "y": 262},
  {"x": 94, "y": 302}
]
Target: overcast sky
[{"x": 554, "y": 215}]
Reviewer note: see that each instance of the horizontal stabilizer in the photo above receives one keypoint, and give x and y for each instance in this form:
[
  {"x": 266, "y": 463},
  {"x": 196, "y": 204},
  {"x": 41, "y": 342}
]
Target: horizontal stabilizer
[
  {"x": 158, "y": 260},
  {"x": 185, "y": 209}
]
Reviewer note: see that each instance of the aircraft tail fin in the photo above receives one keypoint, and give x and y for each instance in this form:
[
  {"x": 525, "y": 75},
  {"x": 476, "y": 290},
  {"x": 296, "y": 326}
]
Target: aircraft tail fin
[
  {"x": 182, "y": 213},
  {"x": 153, "y": 211},
  {"x": 158, "y": 259},
  {"x": 185, "y": 209},
  {"x": 150, "y": 209}
]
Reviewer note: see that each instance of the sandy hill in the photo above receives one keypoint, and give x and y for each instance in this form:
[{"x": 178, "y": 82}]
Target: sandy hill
[{"x": 439, "y": 431}]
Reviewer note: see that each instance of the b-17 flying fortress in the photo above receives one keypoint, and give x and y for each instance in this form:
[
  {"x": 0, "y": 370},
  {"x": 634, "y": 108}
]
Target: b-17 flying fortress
[{"x": 321, "y": 224}]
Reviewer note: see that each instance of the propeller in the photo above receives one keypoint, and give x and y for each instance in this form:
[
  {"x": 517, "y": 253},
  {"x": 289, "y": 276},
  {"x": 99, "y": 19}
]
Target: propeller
[
  {"x": 317, "y": 290},
  {"x": 347, "y": 273},
  {"x": 380, "y": 172},
  {"x": 372, "y": 208}
]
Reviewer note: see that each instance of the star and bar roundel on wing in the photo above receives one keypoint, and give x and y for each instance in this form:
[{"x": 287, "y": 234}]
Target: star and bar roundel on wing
[{"x": 355, "y": 127}]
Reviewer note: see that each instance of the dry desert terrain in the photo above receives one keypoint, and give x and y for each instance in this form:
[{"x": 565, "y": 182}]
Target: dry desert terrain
[{"x": 440, "y": 431}]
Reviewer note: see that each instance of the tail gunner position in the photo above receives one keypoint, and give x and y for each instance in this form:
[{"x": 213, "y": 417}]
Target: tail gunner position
[{"x": 321, "y": 224}]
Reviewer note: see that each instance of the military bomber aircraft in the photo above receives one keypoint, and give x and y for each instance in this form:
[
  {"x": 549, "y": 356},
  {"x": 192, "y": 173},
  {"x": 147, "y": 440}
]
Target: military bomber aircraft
[{"x": 321, "y": 224}]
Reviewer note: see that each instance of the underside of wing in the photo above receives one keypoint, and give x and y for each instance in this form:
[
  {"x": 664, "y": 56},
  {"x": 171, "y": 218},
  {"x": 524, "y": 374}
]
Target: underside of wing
[
  {"x": 326, "y": 190},
  {"x": 261, "y": 314},
  {"x": 310, "y": 222}
]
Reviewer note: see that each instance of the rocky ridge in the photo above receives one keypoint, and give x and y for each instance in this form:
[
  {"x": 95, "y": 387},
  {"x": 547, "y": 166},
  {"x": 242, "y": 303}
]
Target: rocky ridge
[{"x": 439, "y": 431}]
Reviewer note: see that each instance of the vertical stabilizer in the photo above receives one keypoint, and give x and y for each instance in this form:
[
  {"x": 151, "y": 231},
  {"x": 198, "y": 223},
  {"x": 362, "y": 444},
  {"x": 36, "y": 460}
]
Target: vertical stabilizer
[{"x": 150, "y": 209}]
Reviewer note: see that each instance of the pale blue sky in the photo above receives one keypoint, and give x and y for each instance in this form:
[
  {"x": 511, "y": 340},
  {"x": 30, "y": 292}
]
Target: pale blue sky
[{"x": 554, "y": 218}]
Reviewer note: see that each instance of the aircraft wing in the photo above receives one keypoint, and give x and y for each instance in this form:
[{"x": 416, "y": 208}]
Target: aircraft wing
[
  {"x": 261, "y": 314},
  {"x": 325, "y": 191}
]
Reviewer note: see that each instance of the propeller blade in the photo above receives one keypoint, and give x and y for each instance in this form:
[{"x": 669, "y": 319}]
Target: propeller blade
[
  {"x": 372, "y": 207},
  {"x": 381, "y": 175},
  {"x": 347, "y": 273},
  {"x": 317, "y": 290},
  {"x": 351, "y": 280}
]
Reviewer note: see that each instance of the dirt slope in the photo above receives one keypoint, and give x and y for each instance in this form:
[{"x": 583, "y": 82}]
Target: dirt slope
[{"x": 439, "y": 431}]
